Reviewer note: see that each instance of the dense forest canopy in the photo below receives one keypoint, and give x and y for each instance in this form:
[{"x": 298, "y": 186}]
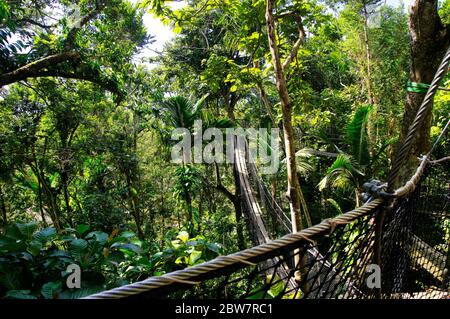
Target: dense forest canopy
[{"x": 86, "y": 173}]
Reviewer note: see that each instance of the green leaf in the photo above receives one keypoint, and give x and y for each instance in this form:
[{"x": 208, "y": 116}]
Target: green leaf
[
  {"x": 11, "y": 245},
  {"x": 357, "y": 134},
  {"x": 182, "y": 260},
  {"x": 27, "y": 229},
  {"x": 177, "y": 29},
  {"x": 13, "y": 232},
  {"x": 78, "y": 247},
  {"x": 12, "y": 279},
  {"x": 183, "y": 236},
  {"x": 45, "y": 234},
  {"x": 81, "y": 229},
  {"x": 128, "y": 247},
  {"x": 214, "y": 247},
  {"x": 80, "y": 293},
  {"x": 340, "y": 174},
  {"x": 128, "y": 234},
  {"x": 51, "y": 289},
  {"x": 194, "y": 256},
  {"x": 20, "y": 294},
  {"x": 258, "y": 293},
  {"x": 335, "y": 205},
  {"x": 34, "y": 247},
  {"x": 99, "y": 236},
  {"x": 277, "y": 289}
]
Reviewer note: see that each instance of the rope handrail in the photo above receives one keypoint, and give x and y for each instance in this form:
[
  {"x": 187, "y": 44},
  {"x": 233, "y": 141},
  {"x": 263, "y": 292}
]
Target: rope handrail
[
  {"x": 250, "y": 255},
  {"x": 191, "y": 275},
  {"x": 273, "y": 248},
  {"x": 424, "y": 109}
]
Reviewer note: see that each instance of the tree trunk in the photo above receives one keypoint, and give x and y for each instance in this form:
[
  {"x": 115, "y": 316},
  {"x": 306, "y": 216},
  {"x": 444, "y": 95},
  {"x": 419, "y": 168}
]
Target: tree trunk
[
  {"x": 3, "y": 207},
  {"x": 65, "y": 182},
  {"x": 41, "y": 208},
  {"x": 134, "y": 206},
  {"x": 50, "y": 199},
  {"x": 230, "y": 103},
  {"x": 137, "y": 218},
  {"x": 429, "y": 41},
  {"x": 190, "y": 209},
  {"x": 293, "y": 192},
  {"x": 370, "y": 94},
  {"x": 235, "y": 199},
  {"x": 368, "y": 55}
]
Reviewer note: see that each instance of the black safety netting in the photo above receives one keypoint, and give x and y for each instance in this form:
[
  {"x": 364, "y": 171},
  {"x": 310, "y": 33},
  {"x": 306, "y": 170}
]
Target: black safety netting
[
  {"x": 331, "y": 266},
  {"x": 416, "y": 240}
]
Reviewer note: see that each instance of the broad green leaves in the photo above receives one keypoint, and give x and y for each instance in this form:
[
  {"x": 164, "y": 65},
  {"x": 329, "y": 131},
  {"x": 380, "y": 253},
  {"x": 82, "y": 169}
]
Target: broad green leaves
[
  {"x": 51, "y": 290},
  {"x": 27, "y": 229},
  {"x": 183, "y": 236},
  {"x": 77, "y": 247},
  {"x": 341, "y": 174},
  {"x": 26, "y": 252},
  {"x": 103, "y": 259},
  {"x": 184, "y": 252},
  {"x": 45, "y": 235}
]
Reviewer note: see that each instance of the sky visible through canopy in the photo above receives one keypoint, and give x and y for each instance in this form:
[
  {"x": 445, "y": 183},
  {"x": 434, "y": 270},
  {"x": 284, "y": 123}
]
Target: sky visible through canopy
[{"x": 163, "y": 33}]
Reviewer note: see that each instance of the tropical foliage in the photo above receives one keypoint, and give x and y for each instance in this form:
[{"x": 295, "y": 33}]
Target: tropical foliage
[{"x": 88, "y": 108}]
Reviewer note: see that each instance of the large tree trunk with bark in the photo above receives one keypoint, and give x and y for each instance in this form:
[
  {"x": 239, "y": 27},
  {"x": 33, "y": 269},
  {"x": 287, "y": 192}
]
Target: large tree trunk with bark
[{"x": 429, "y": 41}]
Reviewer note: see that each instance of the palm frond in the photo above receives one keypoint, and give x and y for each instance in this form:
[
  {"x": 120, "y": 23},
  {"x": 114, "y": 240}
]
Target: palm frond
[
  {"x": 304, "y": 152},
  {"x": 210, "y": 120},
  {"x": 334, "y": 204},
  {"x": 198, "y": 105},
  {"x": 357, "y": 135},
  {"x": 341, "y": 174},
  {"x": 181, "y": 112},
  {"x": 304, "y": 168}
]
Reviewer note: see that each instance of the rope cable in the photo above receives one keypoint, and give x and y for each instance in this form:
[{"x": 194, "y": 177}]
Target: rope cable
[{"x": 424, "y": 109}]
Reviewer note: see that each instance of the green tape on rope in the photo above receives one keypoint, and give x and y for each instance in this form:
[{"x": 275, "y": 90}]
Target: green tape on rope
[{"x": 416, "y": 87}]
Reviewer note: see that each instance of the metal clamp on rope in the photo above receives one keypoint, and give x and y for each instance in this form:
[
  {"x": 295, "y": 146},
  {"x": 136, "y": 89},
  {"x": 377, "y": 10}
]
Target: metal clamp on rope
[{"x": 375, "y": 189}]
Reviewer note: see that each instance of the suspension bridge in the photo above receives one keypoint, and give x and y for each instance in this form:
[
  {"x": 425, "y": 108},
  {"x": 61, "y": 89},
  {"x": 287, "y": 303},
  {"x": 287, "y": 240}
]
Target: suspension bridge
[{"x": 405, "y": 231}]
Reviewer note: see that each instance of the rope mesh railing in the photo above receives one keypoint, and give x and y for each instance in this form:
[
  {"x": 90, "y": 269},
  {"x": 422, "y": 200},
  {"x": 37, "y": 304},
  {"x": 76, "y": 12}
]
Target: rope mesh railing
[
  {"x": 405, "y": 232},
  {"x": 337, "y": 273},
  {"x": 334, "y": 257},
  {"x": 416, "y": 257}
]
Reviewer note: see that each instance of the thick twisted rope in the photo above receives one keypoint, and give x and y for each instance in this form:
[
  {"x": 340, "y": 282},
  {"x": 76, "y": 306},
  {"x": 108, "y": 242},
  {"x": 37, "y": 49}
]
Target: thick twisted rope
[
  {"x": 424, "y": 109},
  {"x": 189, "y": 275},
  {"x": 261, "y": 252},
  {"x": 415, "y": 179}
]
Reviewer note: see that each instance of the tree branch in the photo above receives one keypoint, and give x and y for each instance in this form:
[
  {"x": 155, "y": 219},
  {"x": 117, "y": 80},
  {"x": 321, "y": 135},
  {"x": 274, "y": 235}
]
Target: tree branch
[
  {"x": 222, "y": 188},
  {"x": 40, "y": 67},
  {"x": 25, "y": 21},
  {"x": 79, "y": 24},
  {"x": 34, "y": 68},
  {"x": 297, "y": 44}
]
